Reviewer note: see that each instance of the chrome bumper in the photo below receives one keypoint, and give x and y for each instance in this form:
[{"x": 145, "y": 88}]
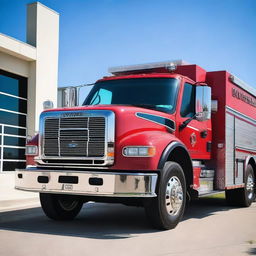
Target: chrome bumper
[{"x": 90, "y": 183}]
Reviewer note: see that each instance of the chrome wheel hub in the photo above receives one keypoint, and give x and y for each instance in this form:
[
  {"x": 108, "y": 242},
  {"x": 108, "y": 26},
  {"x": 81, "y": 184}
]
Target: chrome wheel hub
[
  {"x": 250, "y": 186},
  {"x": 174, "y": 196}
]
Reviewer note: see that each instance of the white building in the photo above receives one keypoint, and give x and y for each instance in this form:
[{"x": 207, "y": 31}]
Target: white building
[{"x": 28, "y": 77}]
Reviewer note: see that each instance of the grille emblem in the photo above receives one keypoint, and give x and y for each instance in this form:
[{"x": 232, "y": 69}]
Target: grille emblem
[{"x": 72, "y": 145}]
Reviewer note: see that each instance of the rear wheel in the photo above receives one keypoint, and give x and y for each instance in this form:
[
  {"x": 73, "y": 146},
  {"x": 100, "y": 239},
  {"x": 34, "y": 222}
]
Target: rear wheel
[
  {"x": 243, "y": 196},
  {"x": 166, "y": 210},
  {"x": 60, "y": 207}
]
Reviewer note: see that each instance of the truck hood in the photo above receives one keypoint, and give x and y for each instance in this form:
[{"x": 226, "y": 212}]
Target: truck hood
[{"x": 131, "y": 118}]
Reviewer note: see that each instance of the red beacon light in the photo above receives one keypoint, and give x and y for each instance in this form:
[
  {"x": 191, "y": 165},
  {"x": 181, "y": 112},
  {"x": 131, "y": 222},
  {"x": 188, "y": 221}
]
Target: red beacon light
[{"x": 162, "y": 67}]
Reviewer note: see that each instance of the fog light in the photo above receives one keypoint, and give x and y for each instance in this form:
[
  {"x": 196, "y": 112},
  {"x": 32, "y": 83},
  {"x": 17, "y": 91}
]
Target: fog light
[
  {"x": 31, "y": 150},
  {"x": 139, "y": 151}
]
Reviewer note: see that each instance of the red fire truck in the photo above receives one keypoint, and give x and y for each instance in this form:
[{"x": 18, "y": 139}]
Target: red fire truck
[{"x": 153, "y": 135}]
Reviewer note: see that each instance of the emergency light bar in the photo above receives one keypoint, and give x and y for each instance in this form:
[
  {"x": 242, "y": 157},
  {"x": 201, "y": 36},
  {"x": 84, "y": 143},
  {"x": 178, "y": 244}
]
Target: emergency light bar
[{"x": 168, "y": 65}]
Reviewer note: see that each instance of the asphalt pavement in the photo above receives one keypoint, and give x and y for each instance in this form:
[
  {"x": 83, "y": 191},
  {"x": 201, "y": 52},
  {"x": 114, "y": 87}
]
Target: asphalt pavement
[{"x": 209, "y": 227}]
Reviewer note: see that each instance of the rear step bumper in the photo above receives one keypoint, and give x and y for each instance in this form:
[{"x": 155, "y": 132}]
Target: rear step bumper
[{"x": 91, "y": 183}]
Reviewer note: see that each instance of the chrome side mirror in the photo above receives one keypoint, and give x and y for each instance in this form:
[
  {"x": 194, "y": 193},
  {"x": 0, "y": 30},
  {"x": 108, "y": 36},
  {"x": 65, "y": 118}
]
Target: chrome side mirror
[{"x": 203, "y": 103}]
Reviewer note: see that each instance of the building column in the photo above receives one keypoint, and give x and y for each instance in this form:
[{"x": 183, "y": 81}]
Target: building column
[{"x": 43, "y": 33}]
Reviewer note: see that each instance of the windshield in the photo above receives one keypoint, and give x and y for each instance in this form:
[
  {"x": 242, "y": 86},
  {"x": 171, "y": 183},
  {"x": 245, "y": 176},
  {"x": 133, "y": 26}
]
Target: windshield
[{"x": 155, "y": 93}]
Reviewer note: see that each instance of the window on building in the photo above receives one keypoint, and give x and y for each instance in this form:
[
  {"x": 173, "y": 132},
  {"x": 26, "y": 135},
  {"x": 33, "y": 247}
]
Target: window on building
[
  {"x": 13, "y": 121},
  {"x": 188, "y": 101}
]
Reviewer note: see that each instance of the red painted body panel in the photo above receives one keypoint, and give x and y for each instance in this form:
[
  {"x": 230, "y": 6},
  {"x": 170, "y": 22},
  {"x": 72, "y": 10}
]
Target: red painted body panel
[
  {"x": 132, "y": 130},
  {"x": 194, "y": 72},
  {"x": 222, "y": 92},
  {"x": 198, "y": 149},
  {"x": 238, "y": 104},
  {"x": 217, "y": 81}
]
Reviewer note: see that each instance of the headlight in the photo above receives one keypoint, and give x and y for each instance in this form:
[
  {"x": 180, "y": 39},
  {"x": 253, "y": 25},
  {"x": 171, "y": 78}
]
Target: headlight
[
  {"x": 31, "y": 150},
  {"x": 139, "y": 151}
]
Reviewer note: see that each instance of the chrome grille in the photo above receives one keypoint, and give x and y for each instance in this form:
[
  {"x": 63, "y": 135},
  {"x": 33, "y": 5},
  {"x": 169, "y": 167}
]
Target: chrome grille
[{"x": 74, "y": 137}]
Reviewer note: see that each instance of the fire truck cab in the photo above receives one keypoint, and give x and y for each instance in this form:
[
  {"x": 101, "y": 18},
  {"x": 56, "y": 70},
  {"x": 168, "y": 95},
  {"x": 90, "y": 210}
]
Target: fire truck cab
[{"x": 154, "y": 135}]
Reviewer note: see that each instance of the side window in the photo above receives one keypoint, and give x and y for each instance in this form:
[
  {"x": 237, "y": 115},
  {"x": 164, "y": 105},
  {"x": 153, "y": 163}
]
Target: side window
[{"x": 188, "y": 101}]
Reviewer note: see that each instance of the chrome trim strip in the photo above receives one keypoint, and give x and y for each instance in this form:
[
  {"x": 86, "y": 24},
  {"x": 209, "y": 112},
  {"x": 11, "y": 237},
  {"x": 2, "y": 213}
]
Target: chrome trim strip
[
  {"x": 237, "y": 81},
  {"x": 239, "y": 114},
  {"x": 79, "y": 167},
  {"x": 75, "y": 165},
  {"x": 114, "y": 184},
  {"x": 58, "y": 139},
  {"x": 14, "y": 160},
  {"x": 109, "y": 136},
  {"x": 193, "y": 128},
  {"x": 246, "y": 149},
  {"x": 150, "y": 120}
]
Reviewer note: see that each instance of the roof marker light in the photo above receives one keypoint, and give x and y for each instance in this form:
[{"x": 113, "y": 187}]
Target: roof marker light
[{"x": 169, "y": 65}]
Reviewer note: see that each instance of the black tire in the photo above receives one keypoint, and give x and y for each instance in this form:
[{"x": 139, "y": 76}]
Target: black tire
[
  {"x": 161, "y": 211},
  {"x": 60, "y": 207},
  {"x": 243, "y": 197}
]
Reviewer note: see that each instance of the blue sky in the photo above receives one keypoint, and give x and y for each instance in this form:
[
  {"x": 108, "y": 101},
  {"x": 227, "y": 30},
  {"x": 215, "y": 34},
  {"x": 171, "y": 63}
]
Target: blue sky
[{"x": 97, "y": 34}]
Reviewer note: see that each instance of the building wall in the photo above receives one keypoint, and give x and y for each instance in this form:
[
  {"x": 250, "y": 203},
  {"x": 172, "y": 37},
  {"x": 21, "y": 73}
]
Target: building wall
[
  {"x": 43, "y": 33},
  {"x": 36, "y": 60},
  {"x": 14, "y": 65}
]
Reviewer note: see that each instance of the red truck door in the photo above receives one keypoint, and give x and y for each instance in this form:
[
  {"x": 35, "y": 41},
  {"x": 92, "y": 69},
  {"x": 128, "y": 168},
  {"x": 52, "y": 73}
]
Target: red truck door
[{"x": 197, "y": 134}]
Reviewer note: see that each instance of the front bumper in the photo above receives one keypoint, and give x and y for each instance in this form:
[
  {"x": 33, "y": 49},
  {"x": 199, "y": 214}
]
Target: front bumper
[{"x": 88, "y": 183}]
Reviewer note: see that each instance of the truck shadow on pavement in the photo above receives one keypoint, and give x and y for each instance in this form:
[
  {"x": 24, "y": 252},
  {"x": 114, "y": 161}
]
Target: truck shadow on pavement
[{"x": 100, "y": 221}]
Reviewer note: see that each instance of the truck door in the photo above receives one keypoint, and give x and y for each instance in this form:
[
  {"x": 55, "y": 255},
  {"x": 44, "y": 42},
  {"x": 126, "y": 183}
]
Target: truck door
[{"x": 197, "y": 134}]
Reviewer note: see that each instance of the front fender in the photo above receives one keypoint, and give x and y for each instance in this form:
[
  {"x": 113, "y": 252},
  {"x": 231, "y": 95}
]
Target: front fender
[
  {"x": 168, "y": 150},
  {"x": 159, "y": 139}
]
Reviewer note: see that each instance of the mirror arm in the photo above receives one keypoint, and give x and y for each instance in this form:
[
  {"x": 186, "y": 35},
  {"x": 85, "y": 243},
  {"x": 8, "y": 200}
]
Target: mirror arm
[{"x": 186, "y": 122}]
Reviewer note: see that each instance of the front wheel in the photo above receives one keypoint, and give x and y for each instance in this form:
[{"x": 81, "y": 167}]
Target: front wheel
[
  {"x": 60, "y": 207},
  {"x": 166, "y": 210}
]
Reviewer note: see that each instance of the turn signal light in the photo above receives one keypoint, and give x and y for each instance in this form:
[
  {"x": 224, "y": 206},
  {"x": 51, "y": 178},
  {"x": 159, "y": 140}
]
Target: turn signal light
[{"x": 111, "y": 154}]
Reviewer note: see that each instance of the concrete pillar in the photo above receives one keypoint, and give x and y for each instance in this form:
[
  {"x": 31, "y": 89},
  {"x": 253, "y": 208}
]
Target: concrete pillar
[{"x": 43, "y": 33}]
